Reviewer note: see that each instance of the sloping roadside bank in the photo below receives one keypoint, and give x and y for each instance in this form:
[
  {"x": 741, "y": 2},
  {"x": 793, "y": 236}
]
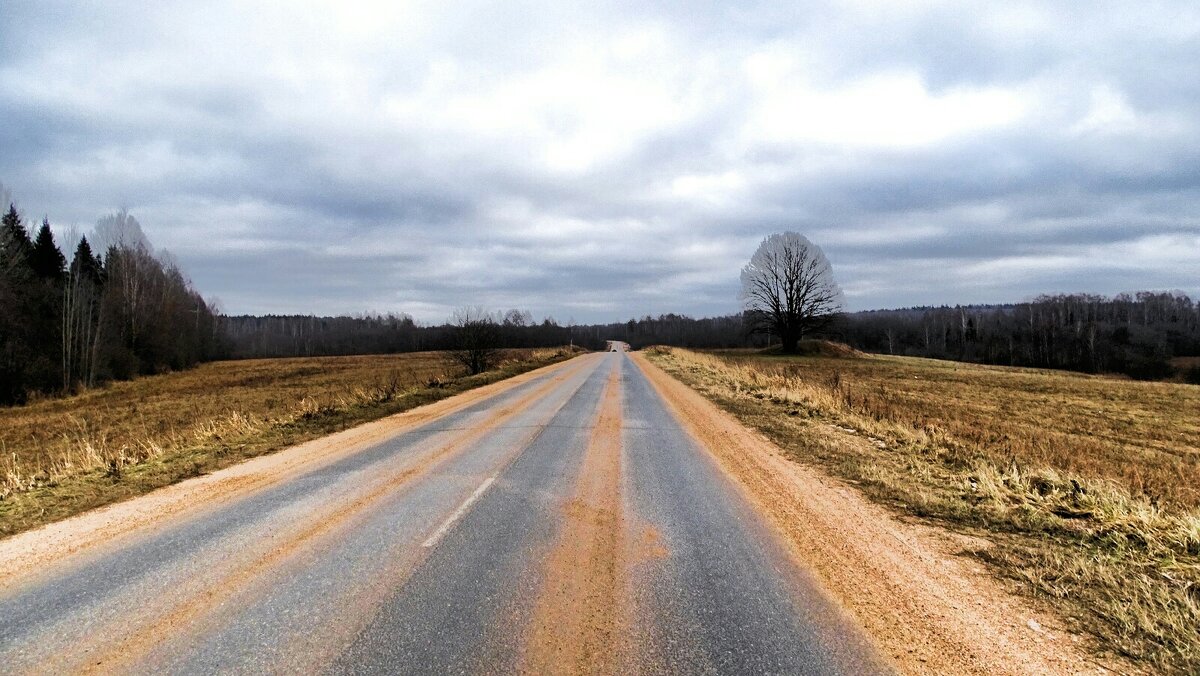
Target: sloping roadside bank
[
  {"x": 234, "y": 438},
  {"x": 930, "y": 609}
]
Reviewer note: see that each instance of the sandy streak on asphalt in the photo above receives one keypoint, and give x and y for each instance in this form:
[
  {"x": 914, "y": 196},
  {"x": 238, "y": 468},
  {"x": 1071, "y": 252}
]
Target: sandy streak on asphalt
[
  {"x": 360, "y": 608},
  {"x": 140, "y": 635},
  {"x": 26, "y": 556},
  {"x": 574, "y": 629},
  {"x": 923, "y": 606}
]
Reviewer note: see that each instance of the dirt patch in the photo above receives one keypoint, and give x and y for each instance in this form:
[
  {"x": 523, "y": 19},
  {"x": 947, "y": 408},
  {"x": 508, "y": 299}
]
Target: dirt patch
[
  {"x": 575, "y": 623},
  {"x": 826, "y": 348},
  {"x": 928, "y": 609}
]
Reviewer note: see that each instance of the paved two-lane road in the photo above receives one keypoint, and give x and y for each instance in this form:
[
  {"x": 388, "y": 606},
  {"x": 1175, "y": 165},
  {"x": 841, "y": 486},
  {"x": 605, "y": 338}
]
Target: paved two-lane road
[{"x": 566, "y": 523}]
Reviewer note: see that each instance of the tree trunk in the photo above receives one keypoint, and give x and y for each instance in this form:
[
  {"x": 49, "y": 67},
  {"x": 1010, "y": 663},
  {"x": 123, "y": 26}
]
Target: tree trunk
[{"x": 789, "y": 341}]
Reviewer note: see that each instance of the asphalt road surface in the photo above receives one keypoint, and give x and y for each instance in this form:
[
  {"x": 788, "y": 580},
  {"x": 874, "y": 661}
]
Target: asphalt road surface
[{"x": 566, "y": 524}]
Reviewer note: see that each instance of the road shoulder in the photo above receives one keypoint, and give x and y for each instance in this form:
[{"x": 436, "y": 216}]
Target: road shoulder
[
  {"x": 930, "y": 610},
  {"x": 25, "y": 554}
]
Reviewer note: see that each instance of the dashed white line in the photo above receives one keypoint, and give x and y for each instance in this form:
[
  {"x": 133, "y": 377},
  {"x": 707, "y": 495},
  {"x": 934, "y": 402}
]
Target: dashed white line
[{"x": 458, "y": 513}]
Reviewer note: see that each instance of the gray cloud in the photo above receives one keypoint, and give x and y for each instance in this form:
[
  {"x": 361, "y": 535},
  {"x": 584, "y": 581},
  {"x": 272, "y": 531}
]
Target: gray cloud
[{"x": 608, "y": 160}]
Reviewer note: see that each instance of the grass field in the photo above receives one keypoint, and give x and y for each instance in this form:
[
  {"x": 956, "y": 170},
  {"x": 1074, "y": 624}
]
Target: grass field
[
  {"x": 63, "y": 456},
  {"x": 1087, "y": 488}
]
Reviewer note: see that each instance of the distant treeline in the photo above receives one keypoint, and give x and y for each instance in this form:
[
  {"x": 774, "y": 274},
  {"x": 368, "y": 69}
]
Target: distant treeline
[
  {"x": 681, "y": 331},
  {"x": 308, "y": 336},
  {"x": 1136, "y": 335},
  {"x": 64, "y": 324}
]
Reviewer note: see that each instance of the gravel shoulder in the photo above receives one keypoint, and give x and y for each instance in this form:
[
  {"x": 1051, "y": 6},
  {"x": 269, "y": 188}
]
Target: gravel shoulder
[{"x": 930, "y": 610}]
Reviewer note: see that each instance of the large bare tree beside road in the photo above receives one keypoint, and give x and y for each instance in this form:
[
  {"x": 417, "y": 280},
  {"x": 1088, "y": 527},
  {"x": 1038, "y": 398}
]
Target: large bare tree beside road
[{"x": 788, "y": 288}]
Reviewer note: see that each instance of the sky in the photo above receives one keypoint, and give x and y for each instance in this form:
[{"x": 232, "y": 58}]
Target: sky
[{"x": 601, "y": 160}]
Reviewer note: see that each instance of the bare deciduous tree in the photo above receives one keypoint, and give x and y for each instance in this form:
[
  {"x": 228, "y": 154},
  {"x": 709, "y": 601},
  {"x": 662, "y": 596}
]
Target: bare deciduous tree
[
  {"x": 120, "y": 229},
  {"x": 518, "y": 318},
  {"x": 477, "y": 339},
  {"x": 788, "y": 288}
]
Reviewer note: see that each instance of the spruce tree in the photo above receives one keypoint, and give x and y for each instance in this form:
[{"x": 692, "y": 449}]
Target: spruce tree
[
  {"x": 15, "y": 308},
  {"x": 85, "y": 263},
  {"x": 13, "y": 237},
  {"x": 46, "y": 260}
]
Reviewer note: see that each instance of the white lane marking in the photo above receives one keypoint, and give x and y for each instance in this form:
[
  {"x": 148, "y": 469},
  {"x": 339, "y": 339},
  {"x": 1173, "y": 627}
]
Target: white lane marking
[{"x": 458, "y": 513}]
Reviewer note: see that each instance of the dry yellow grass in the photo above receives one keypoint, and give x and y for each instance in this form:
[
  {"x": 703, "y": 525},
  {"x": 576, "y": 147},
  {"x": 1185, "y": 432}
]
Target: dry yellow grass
[
  {"x": 1144, "y": 436},
  {"x": 1086, "y": 486},
  {"x": 61, "y": 456}
]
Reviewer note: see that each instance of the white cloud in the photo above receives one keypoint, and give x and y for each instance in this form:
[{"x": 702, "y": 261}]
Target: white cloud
[
  {"x": 891, "y": 110},
  {"x": 598, "y": 158}
]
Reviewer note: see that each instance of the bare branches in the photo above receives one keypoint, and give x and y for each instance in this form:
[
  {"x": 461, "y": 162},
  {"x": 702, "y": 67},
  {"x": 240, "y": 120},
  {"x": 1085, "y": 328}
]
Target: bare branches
[
  {"x": 477, "y": 339},
  {"x": 788, "y": 288}
]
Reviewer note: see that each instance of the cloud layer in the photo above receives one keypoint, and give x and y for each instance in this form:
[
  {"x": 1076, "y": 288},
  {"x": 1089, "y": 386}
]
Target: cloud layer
[{"x": 614, "y": 159}]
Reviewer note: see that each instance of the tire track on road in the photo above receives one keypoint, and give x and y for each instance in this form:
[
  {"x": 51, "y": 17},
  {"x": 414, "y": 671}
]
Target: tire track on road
[{"x": 576, "y": 621}]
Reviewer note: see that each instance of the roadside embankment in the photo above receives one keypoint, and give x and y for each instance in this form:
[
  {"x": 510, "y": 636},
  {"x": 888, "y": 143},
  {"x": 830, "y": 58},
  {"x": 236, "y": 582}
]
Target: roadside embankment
[
  {"x": 65, "y": 456},
  {"x": 1107, "y": 575}
]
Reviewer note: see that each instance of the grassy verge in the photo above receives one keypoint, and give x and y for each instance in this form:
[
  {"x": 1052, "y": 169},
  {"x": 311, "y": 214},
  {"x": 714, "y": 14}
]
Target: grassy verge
[
  {"x": 65, "y": 456},
  {"x": 1088, "y": 488}
]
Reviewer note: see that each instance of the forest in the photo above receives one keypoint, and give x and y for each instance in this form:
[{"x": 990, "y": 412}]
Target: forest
[
  {"x": 308, "y": 336},
  {"x": 1132, "y": 334},
  {"x": 67, "y": 325}
]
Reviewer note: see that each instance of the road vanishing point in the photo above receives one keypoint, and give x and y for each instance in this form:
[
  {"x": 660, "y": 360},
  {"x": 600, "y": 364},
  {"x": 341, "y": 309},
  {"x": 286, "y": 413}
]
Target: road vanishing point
[{"x": 563, "y": 521}]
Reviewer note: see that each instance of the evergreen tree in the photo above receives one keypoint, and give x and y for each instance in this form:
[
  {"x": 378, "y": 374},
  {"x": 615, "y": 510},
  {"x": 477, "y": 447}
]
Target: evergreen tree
[
  {"x": 14, "y": 243},
  {"x": 12, "y": 231},
  {"x": 46, "y": 259},
  {"x": 16, "y": 306},
  {"x": 85, "y": 264},
  {"x": 81, "y": 318}
]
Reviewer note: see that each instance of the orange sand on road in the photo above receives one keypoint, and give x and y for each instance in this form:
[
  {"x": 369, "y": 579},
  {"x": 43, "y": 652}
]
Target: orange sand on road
[
  {"x": 575, "y": 624},
  {"x": 928, "y": 610},
  {"x": 23, "y": 556}
]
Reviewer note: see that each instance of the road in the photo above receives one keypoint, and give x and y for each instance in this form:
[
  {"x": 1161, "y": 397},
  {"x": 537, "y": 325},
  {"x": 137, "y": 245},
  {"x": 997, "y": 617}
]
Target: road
[{"x": 566, "y": 523}]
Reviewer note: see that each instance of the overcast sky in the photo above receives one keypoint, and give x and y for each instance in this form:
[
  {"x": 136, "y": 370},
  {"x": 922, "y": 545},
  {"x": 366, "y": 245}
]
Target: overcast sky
[{"x": 607, "y": 160}]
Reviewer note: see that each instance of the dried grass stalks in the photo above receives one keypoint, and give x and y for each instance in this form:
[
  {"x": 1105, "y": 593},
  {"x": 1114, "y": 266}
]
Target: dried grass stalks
[
  {"x": 1118, "y": 553},
  {"x": 264, "y": 395},
  {"x": 84, "y": 449}
]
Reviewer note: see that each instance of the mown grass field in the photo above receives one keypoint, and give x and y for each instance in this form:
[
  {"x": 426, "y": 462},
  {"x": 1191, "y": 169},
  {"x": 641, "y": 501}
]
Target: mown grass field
[
  {"x": 1087, "y": 488},
  {"x": 62, "y": 456}
]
